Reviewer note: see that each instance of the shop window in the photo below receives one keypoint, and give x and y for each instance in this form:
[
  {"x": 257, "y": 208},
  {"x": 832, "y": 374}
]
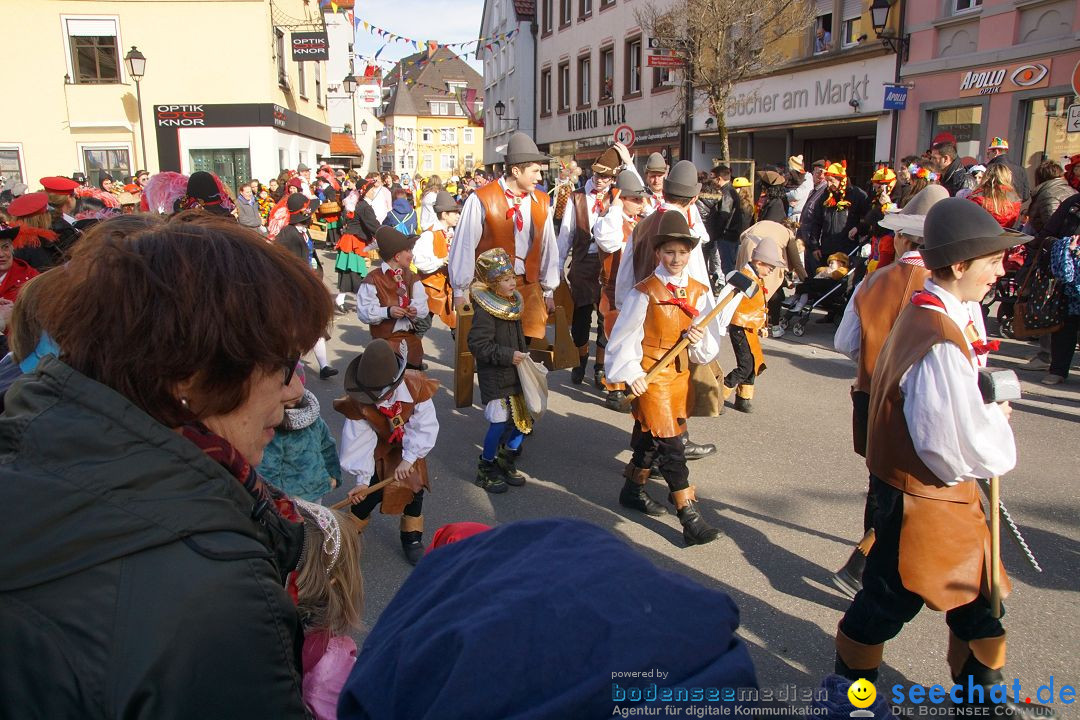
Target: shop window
[
  {"x": 566, "y": 13},
  {"x": 114, "y": 162},
  {"x": 965, "y": 124},
  {"x": 633, "y": 67},
  {"x": 960, "y": 6},
  {"x": 564, "y": 87},
  {"x": 1046, "y": 136},
  {"x": 95, "y": 56},
  {"x": 607, "y": 75},
  {"x": 546, "y": 12},
  {"x": 545, "y": 91},
  {"x": 233, "y": 166},
  {"x": 584, "y": 74},
  {"x": 11, "y": 166}
]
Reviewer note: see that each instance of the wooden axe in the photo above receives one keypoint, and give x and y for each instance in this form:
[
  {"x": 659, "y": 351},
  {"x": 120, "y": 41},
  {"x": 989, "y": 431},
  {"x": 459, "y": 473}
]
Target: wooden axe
[
  {"x": 362, "y": 494},
  {"x": 738, "y": 286}
]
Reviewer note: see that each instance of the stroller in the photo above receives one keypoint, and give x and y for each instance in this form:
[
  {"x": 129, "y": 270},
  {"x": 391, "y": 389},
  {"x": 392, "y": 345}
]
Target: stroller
[
  {"x": 1006, "y": 291},
  {"x": 825, "y": 293}
]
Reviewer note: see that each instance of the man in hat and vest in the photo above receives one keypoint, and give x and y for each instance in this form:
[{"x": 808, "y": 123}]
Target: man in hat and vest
[
  {"x": 391, "y": 298},
  {"x": 514, "y": 215},
  {"x": 879, "y": 299},
  {"x": 930, "y": 436},
  {"x": 576, "y": 240},
  {"x": 390, "y": 428},
  {"x": 611, "y": 233},
  {"x": 430, "y": 256},
  {"x": 657, "y": 313},
  {"x": 656, "y": 169}
]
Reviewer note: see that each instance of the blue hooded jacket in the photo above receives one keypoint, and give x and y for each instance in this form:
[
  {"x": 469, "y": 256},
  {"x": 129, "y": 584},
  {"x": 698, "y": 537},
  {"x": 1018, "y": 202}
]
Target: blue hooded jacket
[{"x": 402, "y": 216}]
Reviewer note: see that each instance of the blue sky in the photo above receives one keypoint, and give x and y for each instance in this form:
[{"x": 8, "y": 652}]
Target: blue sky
[{"x": 444, "y": 21}]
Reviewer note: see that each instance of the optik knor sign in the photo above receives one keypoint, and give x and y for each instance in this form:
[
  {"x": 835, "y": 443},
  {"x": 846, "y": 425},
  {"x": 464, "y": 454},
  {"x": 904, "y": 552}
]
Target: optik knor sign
[{"x": 310, "y": 46}]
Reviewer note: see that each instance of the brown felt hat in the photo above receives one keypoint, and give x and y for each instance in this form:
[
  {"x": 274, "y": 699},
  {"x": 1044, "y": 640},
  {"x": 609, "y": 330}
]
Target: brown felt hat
[
  {"x": 682, "y": 180},
  {"x": 607, "y": 163},
  {"x": 771, "y": 177},
  {"x": 373, "y": 374},
  {"x": 391, "y": 241},
  {"x": 522, "y": 149},
  {"x": 957, "y": 229},
  {"x": 673, "y": 226}
]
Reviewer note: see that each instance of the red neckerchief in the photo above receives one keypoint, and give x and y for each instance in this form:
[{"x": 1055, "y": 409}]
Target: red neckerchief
[
  {"x": 398, "y": 276},
  {"x": 971, "y": 334},
  {"x": 679, "y": 299},
  {"x": 598, "y": 204},
  {"x": 393, "y": 414},
  {"x": 266, "y": 496},
  {"x": 515, "y": 209},
  {"x": 915, "y": 260}
]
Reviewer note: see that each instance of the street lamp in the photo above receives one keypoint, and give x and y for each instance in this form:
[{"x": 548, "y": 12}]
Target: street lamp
[
  {"x": 363, "y": 127},
  {"x": 500, "y": 108},
  {"x": 879, "y": 19},
  {"x": 136, "y": 64},
  {"x": 349, "y": 85}
]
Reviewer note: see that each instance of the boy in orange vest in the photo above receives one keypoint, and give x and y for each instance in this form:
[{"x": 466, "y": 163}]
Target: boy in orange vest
[
  {"x": 392, "y": 299},
  {"x": 430, "y": 256}
]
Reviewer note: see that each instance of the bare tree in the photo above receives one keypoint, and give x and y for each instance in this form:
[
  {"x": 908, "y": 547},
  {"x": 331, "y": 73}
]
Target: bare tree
[{"x": 725, "y": 42}]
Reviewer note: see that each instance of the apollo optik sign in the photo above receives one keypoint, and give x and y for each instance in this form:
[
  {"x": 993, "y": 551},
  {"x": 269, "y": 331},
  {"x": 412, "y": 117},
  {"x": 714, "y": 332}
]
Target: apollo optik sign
[{"x": 1010, "y": 78}]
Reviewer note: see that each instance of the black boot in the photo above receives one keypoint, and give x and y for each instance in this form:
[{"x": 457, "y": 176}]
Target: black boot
[
  {"x": 743, "y": 405},
  {"x": 695, "y": 451},
  {"x": 327, "y": 372},
  {"x": 849, "y": 578},
  {"x": 490, "y": 477},
  {"x": 577, "y": 375},
  {"x": 510, "y": 475},
  {"x": 598, "y": 378},
  {"x": 974, "y": 676},
  {"x": 840, "y": 668},
  {"x": 633, "y": 493},
  {"x": 614, "y": 400},
  {"x": 695, "y": 530},
  {"x": 413, "y": 546}
]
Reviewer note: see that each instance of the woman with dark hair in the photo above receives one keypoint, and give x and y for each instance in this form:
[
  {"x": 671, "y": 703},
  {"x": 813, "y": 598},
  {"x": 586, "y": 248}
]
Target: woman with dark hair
[
  {"x": 774, "y": 202},
  {"x": 149, "y": 570}
]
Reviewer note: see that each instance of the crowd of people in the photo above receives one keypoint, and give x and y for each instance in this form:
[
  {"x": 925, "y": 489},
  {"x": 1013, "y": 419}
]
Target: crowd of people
[{"x": 170, "y": 465}]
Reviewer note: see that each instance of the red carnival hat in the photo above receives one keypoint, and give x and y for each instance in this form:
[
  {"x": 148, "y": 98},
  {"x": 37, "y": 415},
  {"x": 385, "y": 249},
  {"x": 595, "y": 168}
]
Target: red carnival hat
[
  {"x": 29, "y": 204},
  {"x": 59, "y": 185}
]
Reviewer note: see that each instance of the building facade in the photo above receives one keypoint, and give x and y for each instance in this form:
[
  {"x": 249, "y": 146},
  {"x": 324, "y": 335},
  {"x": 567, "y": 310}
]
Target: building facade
[
  {"x": 81, "y": 109},
  {"x": 426, "y": 129},
  {"x": 351, "y": 115},
  {"x": 507, "y": 76},
  {"x": 826, "y": 101},
  {"x": 993, "y": 68},
  {"x": 592, "y": 80}
]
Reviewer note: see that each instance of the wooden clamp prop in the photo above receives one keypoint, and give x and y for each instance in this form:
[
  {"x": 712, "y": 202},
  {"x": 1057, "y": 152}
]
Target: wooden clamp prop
[
  {"x": 997, "y": 386},
  {"x": 738, "y": 286},
  {"x": 464, "y": 363}
]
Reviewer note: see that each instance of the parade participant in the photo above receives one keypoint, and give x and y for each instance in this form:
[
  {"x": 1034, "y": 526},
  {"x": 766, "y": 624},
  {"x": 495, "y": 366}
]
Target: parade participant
[
  {"x": 430, "y": 255},
  {"x": 656, "y": 314},
  {"x": 749, "y": 322},
  {"x": 302, "y": 458},
  {"x": 497, "y": 342},
  {"x": 36, "y": 243},
  {"x": 576, "y": 241},
  {"x": 639, "y": 261},
  {"x": 303, "y": 178},
  {"x": 330, "y": 601},
  {"x": 205, "y": 192},
  {"x": 391, "y": 298},
  {"x": 524, "y": 230},
  {"x": 998, "y": 154},
  {"x": 995, "y": 194},
  {"x": 382, "y": 199},
  {"x": 61, "y": 208},
  {"x": 837, "y": 213},
  {"x": 360, "y": 227},
  {"x": 430, "y": 193},
  {"x": 772, "y": 202},
  {"x": 882, "y": 250},
  {"x": 14, "y": 273},
  {"x": 804, "y": 185},
  {"x": 788, "y": 247},
  {"x": 879, "y": 299},
  {"x": 656, "y": 170},
  {"x": 930, "y": 435},
  {"x": 295, "y": 238},
  {"x": 391, "y": 427},
  {"x": 611, "y": 234}
]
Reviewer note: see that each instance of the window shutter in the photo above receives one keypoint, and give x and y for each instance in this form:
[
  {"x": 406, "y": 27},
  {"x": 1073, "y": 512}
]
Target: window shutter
[
  {"x": 91, "y": 28},
  {"x": 853, "y": 9}
]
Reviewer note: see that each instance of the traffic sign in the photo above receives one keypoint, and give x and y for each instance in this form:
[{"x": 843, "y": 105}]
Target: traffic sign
[
  {"x": 665, "y": 61},
  {"x": 1076, "y": 79},
  {"x": 1073, "y": 124},
  {"x": 625, "y": 134},
  {"x": 656, "y": 43}
]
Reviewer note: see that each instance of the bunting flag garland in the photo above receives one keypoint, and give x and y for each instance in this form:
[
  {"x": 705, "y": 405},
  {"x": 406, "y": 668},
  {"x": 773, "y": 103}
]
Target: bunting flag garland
[{"x": 430, "y": 45}]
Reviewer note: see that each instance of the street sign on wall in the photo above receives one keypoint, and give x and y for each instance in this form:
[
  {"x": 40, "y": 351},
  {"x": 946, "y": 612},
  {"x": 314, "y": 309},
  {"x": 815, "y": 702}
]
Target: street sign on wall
[
  {"x": 310, "y": 46},
  {"x": 1074, "y": 119},
  {"x": 665, "y": 61},
  {"x": 895, "y": 97}
]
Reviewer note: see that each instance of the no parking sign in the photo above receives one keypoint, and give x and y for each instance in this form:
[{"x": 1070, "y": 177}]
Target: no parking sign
[{"x": 625, "y": 134}]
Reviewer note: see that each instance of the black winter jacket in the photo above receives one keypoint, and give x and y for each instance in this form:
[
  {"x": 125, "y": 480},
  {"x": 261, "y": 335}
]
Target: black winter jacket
[
  {"x": 1045, "y": 200},
  {"x": 956, "y": 178},
  {"x": 134, "y": 582},
  {"x": 492, "y": 341}
]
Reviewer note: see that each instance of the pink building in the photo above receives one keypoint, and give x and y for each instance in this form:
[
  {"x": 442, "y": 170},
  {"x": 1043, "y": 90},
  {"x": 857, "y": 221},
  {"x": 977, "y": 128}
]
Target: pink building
[{"x": 981, "y": 69}]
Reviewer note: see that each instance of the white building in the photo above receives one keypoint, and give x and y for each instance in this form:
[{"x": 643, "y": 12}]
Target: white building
[
  {"x": 507, "y": 76},
  {"x": 352, "y": 117},
  {"x": 592, "y": 79}
]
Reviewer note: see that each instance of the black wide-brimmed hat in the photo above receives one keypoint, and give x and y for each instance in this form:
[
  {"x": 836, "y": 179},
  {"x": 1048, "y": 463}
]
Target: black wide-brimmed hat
[
  {"x": 391, "y": 241},
  {"x": 957, "y": 229},
  {"x": 682, "y": 180},
  {"x": 299, "y": 209},
  {"x": 522, "y": 149},
  {"x": 673, "y": 226},
  {"x": 373, "y": 374},
  {"x": 445, "y": 202}
]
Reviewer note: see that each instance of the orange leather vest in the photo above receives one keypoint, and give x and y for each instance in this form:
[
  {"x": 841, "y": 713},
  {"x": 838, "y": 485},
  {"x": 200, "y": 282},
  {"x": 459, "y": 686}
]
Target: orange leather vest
[
  {"x": 387, "y": 292},
  {"x": 439, "y": 243},
  {"x": 665, "y": 324},
  {"x": 879, "y": 302},
  {"x": 751, "y": 313},
  {"x": 609, "y": 265},
  {"x": 499, "y": 230}
]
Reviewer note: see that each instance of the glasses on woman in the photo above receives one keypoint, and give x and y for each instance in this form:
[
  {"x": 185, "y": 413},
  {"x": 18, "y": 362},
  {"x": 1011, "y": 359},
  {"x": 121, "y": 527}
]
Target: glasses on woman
[{"x": 289, "y": 367}]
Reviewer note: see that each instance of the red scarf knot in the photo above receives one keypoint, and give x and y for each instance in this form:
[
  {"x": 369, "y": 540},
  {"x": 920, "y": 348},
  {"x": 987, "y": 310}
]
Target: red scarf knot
[
  {"x": 393, "y": 414},
  {"x": 398, "y": 276},
  {"x": 925, "y": 298},
  {"x": 598, "y": 205},
  {"x": 982, "y": 348},
  {"x": 679, "y": 299},
  {"x": 515, "y": 209}
]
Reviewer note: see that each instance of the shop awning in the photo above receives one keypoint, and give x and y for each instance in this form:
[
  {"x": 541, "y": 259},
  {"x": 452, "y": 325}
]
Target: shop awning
[{"x": 343, "y": 145}]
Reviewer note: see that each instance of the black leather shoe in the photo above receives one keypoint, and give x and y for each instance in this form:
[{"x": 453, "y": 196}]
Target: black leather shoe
[
  {"x": 577, "y": 375},
  {"x": 413, "y": 546},
  {"x": 695, "y": 530},
  {"x": 327, "y": 372},
  {"x": 694, "y": 451},
  {"x": 633, "y": 496},
  {"x": 614, "y": 400},
  {"x": 598, "y": 379},
  {"x": 993, "y": 696}
]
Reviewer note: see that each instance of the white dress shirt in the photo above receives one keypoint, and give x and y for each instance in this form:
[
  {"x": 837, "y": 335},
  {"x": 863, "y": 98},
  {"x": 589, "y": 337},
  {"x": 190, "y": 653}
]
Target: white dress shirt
[
  {"x": 848, "y": 338},
  {"x": 372, "y": 312},
  {"x": 569, "y": 225},
  {"x": 382, "y": 203},
  {"x": 358, "y": 438},
  {"x": 954, "y": 432},
  {"x": 462, "y": 261},
  {"x": 624, "y": 281},
  {"x": 623, "y": 355},
  {"x": 608, "y": 231},
  {"x": 424, "y": 257},
  {"x": 427, "y": 210}
]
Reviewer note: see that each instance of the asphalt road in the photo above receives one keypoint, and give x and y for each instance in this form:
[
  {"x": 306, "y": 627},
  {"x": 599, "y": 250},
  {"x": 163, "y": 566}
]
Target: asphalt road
[{"x": 787, "y": 492}]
